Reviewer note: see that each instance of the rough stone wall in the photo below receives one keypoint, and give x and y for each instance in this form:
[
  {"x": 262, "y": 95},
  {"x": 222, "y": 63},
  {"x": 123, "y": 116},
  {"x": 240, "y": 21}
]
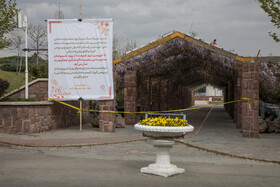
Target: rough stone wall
[
  {"x": 107, "y": 121},
  {"x": 17, "y": 118},
  {"x": 37, "y": 89},
  {"x": 164, "y": 95},
  {"x": 130, "y": 96},
  {"x": 172, "y": 96},
  {"x": 226, "y": 99},
  {"x": 250, "y": 109},
  {"x": 156, "y": 92},
  {"x": 67, "y": 116},
  {"x": 161, "y": 95},
  {"x": 144, "y": 95},
  {"x": 35, "y": 117},
  {"x": 237, "y": 95},
  {"x": 230, "y": 98},
  {"x": 180, "y": 97},
  {"x": 190, "y": 98}
]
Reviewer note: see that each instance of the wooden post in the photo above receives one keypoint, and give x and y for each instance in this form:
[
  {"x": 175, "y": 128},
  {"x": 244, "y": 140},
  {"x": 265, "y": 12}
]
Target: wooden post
[{"x": 81, "y": 114}]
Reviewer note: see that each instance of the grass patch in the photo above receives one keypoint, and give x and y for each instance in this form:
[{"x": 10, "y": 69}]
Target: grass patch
[
  {"x": 7, "y": 99},
  {"x": 14, "y": 80}
]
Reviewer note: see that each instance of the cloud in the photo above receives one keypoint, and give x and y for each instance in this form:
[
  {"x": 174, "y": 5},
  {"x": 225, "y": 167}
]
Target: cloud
[{"x": 240, "y": 24}]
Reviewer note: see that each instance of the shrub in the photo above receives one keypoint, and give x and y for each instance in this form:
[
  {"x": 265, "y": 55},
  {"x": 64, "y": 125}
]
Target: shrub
[
  {"x": 7, "y": 99},
  {"x": 4, "y": 85},
  {"x": 10, "y": 64},
  {"x": 40, "y": 71}
]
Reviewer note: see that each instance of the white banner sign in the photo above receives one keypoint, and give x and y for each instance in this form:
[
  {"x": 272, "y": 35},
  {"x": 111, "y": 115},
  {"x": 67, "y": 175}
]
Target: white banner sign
[{"x": 80, "y": 59}]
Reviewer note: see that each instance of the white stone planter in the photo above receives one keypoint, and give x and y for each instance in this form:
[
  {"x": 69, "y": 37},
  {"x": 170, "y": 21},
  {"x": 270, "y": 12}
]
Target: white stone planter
[{"x": 158, "y": 137}]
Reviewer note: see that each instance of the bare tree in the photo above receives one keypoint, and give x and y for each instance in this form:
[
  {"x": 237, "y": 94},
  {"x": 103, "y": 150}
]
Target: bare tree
[
  {"x": 38, "y": 35},
  {"x": 59, "y": 13},
  {"x": 16, "y": 37}
]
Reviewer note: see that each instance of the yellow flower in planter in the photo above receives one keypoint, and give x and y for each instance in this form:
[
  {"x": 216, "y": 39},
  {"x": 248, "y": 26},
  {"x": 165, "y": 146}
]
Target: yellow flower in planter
[{"x": 163, "y": 121}]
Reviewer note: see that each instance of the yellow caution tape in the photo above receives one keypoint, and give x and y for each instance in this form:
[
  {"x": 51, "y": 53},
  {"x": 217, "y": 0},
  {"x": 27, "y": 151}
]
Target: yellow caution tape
[
  {"x": 249, "y": 99},
  {"x": 143, "y": 112},
  {"x": 79, "y": 110}
]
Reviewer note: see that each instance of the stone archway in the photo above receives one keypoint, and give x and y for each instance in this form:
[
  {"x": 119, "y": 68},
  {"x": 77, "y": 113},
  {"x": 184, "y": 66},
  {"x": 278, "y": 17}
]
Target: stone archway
[{"x": 170, "y": 67}]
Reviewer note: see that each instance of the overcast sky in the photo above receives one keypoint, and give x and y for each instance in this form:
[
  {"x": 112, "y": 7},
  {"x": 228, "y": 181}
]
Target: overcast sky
[{"x": 239, "y": 25}]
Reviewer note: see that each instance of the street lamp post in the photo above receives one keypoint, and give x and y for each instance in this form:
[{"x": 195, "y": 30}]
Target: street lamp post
[{"x": 23, "y": 24}]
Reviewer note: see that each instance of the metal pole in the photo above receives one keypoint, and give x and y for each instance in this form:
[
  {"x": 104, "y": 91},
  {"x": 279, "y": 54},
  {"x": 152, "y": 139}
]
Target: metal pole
[
  {"x": 26, "y": 60},
  {"x": 80, "y": 9},
  {"x": 81, "y": 115}
]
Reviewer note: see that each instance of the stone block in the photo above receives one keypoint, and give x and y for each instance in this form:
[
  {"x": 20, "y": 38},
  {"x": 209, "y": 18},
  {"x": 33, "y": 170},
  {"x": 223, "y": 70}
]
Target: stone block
[
  {"x": 26, "y": 125},
  {"x": 94, "y": 121},
  {"x": 111, "y": 127},
  {"x": 32, "y": 128},
  {"x": 41, "y": 111},
  {"x": 254, "y": 134},
  {"x": 272, "y": 126},
  {"x": 250, "y": 134},
  {"x": 245, "y": 67},
  {"x": 246, "y": 123},
  {"x": 262, "y": 125},
  {"x": 120, "y": 122}
]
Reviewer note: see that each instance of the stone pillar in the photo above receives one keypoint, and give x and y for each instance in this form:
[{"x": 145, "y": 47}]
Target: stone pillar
[
  {"x": 230, "y": 97},
  {"x": 192, "y": 97},
  {"x": 237, "y": 95},
  {"x": 107, "y": 121},
  {"x": 144, "y": 95},
  {"x": 250, "y": 109},
  {"x": 180, "y": 99},
  {"x": 155, "y": 94},
  {"x": 130, "y": 97},
  {"x": 226, "y": 98},
  {"x": 171, "y": 94},
  {"x": 185, "y": 97},
  {"x": 164, "y": 95},
  {"x": 189, "y": 97}
]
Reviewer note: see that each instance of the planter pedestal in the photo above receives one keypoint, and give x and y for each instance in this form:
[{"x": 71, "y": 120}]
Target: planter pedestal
[
  {"x": 158, "y": 136},
  {"x": 162, "y": 165}
]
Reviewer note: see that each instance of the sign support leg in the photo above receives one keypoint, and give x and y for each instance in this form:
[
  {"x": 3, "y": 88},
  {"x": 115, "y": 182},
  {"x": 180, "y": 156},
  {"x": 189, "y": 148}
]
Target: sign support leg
[{"x": 81, "y": 115}]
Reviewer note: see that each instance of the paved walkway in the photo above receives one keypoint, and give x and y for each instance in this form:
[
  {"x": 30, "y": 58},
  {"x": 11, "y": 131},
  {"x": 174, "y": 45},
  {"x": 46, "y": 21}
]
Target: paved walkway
[
  {"x": 119, "y": 164},
  {"x": 214, "y": 130},
  {"x": 92, "y": 136}
]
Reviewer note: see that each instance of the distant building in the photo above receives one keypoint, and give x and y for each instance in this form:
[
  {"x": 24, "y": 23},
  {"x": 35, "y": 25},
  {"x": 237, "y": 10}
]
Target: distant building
[{"x": 211, "y": 91}]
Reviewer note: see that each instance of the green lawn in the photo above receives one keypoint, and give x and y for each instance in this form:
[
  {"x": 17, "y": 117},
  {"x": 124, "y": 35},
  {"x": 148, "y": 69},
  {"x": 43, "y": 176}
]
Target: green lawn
[{"x": 14, "y": 80}]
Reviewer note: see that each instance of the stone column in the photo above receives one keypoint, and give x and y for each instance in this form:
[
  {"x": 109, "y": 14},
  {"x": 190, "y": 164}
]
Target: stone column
[
  {"x": 170, "y": 101},
  {"x": 155, "y": 94},
  {"x": 185, "y": 97},
  {"x": 250, "y": 109},
  {"x": 180, "y": 99},
  {"x": 107, "y": 120},
  {"x": 230, "y": 98},
  {"x": 237, "y": 96},
  {"x": 164, "y": 95},
  {"x": 144, "y": 95},
  {"x": 226, "y": 98},
  {"x": 130, "y": 97},
  {"x": 192, "y": 97}
]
